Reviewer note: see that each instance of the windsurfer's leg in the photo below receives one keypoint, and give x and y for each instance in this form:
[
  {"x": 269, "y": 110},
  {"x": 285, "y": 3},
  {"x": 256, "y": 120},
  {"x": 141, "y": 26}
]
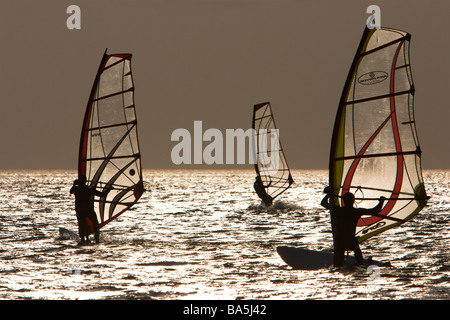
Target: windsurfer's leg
[
  {"x": 95, "y": 226},
  {"x": 358, "y": 253},
  {"x": 339, "y": 255},
  {"x": 81, "y": 228}
]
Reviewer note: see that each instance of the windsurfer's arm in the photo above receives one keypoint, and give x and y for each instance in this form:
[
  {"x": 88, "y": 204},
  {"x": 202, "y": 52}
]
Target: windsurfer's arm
[
  {"x": 379, "y": 206},
  {"x": 375, "y": 210},
  {"x": 100, "y": 193}
]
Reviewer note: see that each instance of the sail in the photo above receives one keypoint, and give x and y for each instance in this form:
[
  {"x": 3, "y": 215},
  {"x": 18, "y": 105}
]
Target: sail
[
  {"x": 375, "y": 148},
  {"x": 270, "y": 164},
  {"x": 109, "y": 154}
]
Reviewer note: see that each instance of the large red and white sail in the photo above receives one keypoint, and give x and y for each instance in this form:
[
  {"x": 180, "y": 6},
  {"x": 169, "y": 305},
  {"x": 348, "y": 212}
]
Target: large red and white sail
[
  {"x": 109, "y": 153},
  {"x": 375, "y": 149}
]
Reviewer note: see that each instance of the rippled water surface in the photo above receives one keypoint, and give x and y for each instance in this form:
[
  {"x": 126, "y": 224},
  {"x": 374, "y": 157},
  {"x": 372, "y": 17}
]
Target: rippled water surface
[{"x": 199, "y": 235}]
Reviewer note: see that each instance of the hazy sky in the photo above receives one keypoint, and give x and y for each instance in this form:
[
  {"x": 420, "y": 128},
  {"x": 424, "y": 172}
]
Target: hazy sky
[{"x": 207, "y": 60}]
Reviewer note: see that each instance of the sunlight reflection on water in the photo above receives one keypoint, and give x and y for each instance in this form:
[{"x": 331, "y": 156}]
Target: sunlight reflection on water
[{"x": 199, "y": 235}]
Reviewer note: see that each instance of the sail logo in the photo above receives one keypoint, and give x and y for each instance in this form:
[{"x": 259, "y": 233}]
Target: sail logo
[
  {"x": 239, "y": 147},
  {"x": 372, "y": 77},
  {"x": 374, "y": 227}
]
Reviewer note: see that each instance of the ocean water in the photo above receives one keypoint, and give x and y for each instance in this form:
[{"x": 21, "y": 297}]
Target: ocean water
[{"x": 198, "y": 234}]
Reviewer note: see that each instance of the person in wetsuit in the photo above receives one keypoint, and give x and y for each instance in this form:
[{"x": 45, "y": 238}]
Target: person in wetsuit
[
  {"x": 84, "y": 207},
  {"x": 343, "y": 223},
  {"x": 259, "y": 188}
]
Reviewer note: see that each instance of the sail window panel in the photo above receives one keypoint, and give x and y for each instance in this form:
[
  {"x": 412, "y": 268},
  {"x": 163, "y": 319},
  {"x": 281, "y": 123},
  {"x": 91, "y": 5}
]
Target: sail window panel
[
  {"x": 111, "y": 81},
  {"x": 383, "y": 142},
  {"x": 406, "y": 61},
  {"x": 109, "y": 172},
  {"x": 111, "y": 139},
  {"x": 264, "y": 119},
  {"x": 412, "y": 166},
  {"x": 92, "y": 165},
  {"x": 366, "y": 118},
  {"x": 346, "y": 165},
  {"x": 404, "y": 208},
  {"x": 130, "y": 174},
  {"x": 111, "y": 177},
  {"x": 373, "y": 74},
  {"x": 125, "y": 147},
  {"x": 371, "y": 187},
  {"x": 265, "y": 123},
  {"x": 349, "y": 132},
  {"x": 132, "y": 140},
  {"x": 381, "y": 37},
  {"x": 127, "y": 67},
  {"x": 110, "y": 111},
  {"x": 340, "y": 166},
  {"x": 125, "y": 165},
  {"x": 112, "y": 60},
  {"x": 410, "y": 180},
  {"x": 351, "y": 89},
  {"x": 94, "y": 121},
  {"x": 130, "y": 114},
  {"x": 265, "y": 142},
  {"x": 127, "y": 82},
  {"x": 402, "y": 81},
  {"x": 94, "y": 149},
  {"x": 378, "y": 170},
  {"x": 403, "y": 58},
  {"x": 412, "y": 118},
  {"x": 406, "y": 125},
  {"x": 262, "y": 112},
  {"x": 127, "y": 78},
  {"x": 117, "y": 208},
  {"x": 402, "y": 108},
  {"x": 375, "y": 174},
  {"x": 128, "y": 101}
]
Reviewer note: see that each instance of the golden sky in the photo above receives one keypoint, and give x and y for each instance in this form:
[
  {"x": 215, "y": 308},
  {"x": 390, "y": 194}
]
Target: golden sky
[{"x": 208, "y": 60}]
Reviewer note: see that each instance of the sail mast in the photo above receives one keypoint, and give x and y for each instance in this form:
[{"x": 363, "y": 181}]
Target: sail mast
[
  {"x": 87, "y": 115},
  {"x": 336, "y": 138}
]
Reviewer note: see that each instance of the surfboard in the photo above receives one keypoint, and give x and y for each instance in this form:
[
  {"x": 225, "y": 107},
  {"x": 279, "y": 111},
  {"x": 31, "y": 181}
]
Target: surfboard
[{"x": 306, "y": 259}]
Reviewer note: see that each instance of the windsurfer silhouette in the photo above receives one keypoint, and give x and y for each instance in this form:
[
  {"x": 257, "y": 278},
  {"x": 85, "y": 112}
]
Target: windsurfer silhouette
[
  {"x": 259, "y": 188},
  {"x": 343, "y": 224},
  {"x": 84, "y": 207}
]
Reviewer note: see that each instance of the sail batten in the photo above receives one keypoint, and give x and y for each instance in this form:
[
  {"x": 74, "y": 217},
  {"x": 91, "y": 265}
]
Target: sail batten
[
  {"x": 113, "y": 125},
  {"x": 389, "y": 95},
  {"x": 375, "y": 149},
  {"x": 275, "y": 174},
  {"x": 113, "y": 94},
  {"x": 109, "y": 154}
]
